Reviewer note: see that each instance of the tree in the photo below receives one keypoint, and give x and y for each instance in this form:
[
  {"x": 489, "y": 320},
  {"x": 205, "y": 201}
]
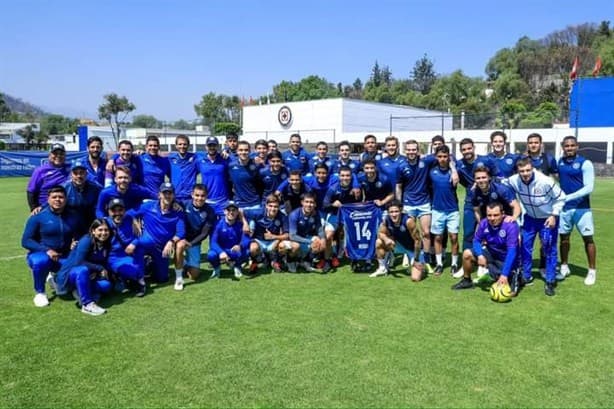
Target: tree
[
  {"x": 115, "y": 109},
  {"x": 211, "y": 109},
  {"x": 5, "y": 111},
  {"x": 28, "y": 134},
  {"x": 223, "y": 128},
  {"x": 376, "y": 75},
  {"x": 423, "y": 75},
  {"x": 183, "y": 124},
  {"x": 146, "y": 121},
  {"x": 58, "y": 124}
]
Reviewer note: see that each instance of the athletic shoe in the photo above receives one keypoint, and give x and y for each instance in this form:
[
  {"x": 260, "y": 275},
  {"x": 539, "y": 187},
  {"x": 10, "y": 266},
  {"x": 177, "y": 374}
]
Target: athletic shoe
[
  {"x": 93, "y": 309},
  {"x": 564, "y": 272},
  {"x": 438, "y": 270},
  {"x": 276, "y": 266},
  {"x": 320, "y": 264},
  {"x": 178, "y": 284},
  {"x": 405, "y": 261},
  {"x": 141, "y": 288},
  {"x": 307, "y": 266},
  {"x": 51, "y": 282},
  {"x": 119, "y": 287},
  {"x": 549, "y": 289},
  {"x": 484, "y": 279},
  {"x": 253, "y": 267},
  {"x": 238, "y": 273},
  {"x": 542, "y": 272},
  {"x": 380, "y": 272},
  {"x": 429, "y": 269},
  {"x": 327, "y": 267},
  {"x": 334, "y": 262},
  {"x": 215, "y": 273},
  {"x": 41, "y": 300},
  {"x": 292, "y": 266},
  {"x": 591, "y": 277},
  {"x": 528, "y": 281},
  {"x": 457, "y": 272},
  {"x": 482, "y": 271},
  {"x": 463, "y": 284}
]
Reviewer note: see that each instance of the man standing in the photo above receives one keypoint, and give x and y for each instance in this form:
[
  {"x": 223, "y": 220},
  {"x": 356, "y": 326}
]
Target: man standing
[
  {"x": 577, "y": 177},
  {"x": 184, "y": 168},
  {"x": 125, "y": 157},
  {"x": 505, "y": 161},
  {"x": 82, "y": 195},
  {"x": 296, "y": 158},
  {"x": 96, "y": 160},
  {"x": 213, "y": 169},
  {"x": 55, "y": 172},
  {"x": 155, "y": 167},
  {"x": 244, "y": 174},
  {"x": 543, "y": 202}
]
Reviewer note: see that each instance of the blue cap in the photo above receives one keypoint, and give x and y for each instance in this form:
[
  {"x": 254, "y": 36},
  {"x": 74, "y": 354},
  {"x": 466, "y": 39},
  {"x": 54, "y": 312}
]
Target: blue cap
[
  {"x": 167, "y": 187},
  {"x": 116, "y": 202},
  {"x": 212, "y": 140},
  {"x": 230, "y": 203},
  {"x": 78, "y": 164}
]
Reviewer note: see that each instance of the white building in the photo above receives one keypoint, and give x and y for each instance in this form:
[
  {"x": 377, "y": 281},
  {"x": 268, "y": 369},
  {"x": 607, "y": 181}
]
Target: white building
[{"x": 9, "y": 131}]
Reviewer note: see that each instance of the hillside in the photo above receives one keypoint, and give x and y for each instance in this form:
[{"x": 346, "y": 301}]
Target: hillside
[{"x": 22, "y": 107}]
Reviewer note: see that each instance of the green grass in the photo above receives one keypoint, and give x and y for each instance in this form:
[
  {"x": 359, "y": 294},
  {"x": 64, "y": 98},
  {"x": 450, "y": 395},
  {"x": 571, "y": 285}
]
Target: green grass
[{"x": 306, "y": 340}]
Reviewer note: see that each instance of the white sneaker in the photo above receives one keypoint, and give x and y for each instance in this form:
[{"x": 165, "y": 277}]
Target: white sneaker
[
  {"x": 459, "y": 273},
  {"x": 563, "y": 272},
  {"x": 215, "y": 273},
  {"x": 405, "y": 261},
  {"x": 238, "y": 273},
  {"x": 41, "y": 300},
  {"x": 51, "y": 282},
  {"x": 591, "y": 277},
  {"x": 542, "y": 272},
  {"x": 93, "y": 309},
  {"x": 381, "y": 271},
  {"x": 178, "y": 284},
  {"x": 482, "y": 271},
  {"x": 307, "y": 266},
  {"x": 292, "y": 266}
]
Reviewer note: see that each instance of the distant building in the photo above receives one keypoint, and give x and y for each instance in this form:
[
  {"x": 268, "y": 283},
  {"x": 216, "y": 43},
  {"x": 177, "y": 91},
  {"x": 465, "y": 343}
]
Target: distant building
[{"x": 9, "y": 133}]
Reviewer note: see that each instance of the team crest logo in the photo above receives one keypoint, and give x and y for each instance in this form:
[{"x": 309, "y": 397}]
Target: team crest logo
[
  {"x": 283, "y": 176},
  {"x": 421, "y": 164},
  {"x": 538, "y": 191},
  {"x": 402, "y": 228},
  {"x": 576, "y": 165},
  {"x": 502, "y": 233},
  {"x": 378, "y": 184},
  {"x": 311, "y": 220},
  {"x": 252, "y": 167},
  {"x": 494, "y": 195},
  {"x": 277, "y": 223},
  {"x": 509, "y": 161},
  {"x": 284, "y": 116}
]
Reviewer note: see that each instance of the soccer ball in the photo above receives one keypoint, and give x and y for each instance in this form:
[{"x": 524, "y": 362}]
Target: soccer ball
[{"x": 500, "y": 293}]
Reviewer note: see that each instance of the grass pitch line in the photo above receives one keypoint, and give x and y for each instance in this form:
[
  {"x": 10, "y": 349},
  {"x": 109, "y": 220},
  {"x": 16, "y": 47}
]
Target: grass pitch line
[{"x": 12, "y": 257}]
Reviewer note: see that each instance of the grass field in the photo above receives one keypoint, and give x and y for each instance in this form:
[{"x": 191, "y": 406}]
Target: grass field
[{"x": 307, "y": 340}]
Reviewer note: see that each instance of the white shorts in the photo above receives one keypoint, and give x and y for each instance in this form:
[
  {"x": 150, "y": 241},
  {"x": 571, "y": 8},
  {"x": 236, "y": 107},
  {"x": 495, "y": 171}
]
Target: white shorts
[
  {"x": 417, "y": 211},
  {"x": 582, "y": 219},
  {"x": 441, "y": 220}
]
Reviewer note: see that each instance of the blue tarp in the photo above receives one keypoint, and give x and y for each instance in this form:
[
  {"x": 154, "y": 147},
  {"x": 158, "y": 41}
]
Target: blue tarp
[{"x": 22, "y": 163}]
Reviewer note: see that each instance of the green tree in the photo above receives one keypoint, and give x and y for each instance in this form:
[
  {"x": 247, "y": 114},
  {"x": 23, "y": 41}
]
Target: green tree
[
  {"x": 222, "y": 128},
  {"x": 115, "y": 109},
  {"x": 376, "y": 75},
  {"x": 145, "y": 121},
  {"x": 211, "y": 109},
  {"x": 4, "y": 110},
  {"x": 58, "y": 124},
  {"x": 423, "y": 75},
  {"x": 183, "y": 124},
  {"x": 28, "y": 134}
]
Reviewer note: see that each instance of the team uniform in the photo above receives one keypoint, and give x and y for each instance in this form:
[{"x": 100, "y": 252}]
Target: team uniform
[
  {"x": 338, "y": 163},
  {"x": 290, "y": 196},
  {"x": 296, "y": 161},
  {"x": 126, "y": 266},
  {"x": 96, "y": 174},
  {"x": 83, "y": 201},
  {"x": 135, "y": 166},
  {"x": 245, "y": 183},
  {"x": 303, "y": 228},
  {"x": 316, "y": 160},
  {"x": 577, "y": 177},
  {"x": 132, "y": 198},
  {"x": 44, "y": 178},
  {"x": 499, "y": 244},
  {"x": 377, "y": 189},
  {"x": 506, "y": 164},
  {"x": 199, "y": 222},
  {"x": 337, "y": 192},
  {"x": 224, "y": 237},
  {"x": 214, "y": 175},
  {"x": 261, "y": 224},
  {"x": 390, "y": 167},
  {"x": 403, "y": 240},
  {"x": 445, "y": 202},
  {"x": 271, "y": 181},
  {"x": 360, "y": 222},
  {"x": 414, "y": 179},
  {"x": 497, "y": 192},
  {"x": 545, "y": 163},
  {"x": 184, "y": 170},
  {"x": 155, "y": 169}
]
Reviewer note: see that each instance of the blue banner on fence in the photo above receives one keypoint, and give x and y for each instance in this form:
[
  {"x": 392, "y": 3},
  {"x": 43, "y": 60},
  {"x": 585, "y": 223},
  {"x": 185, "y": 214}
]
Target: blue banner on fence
[{"x": 22, "y": 163}]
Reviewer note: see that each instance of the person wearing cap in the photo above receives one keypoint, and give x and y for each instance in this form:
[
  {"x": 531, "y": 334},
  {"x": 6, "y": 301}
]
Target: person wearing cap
[
  {"x": 54, "y": 172},
  {"x": 163, "y": 225},
  {"x": 200, "y": 219},
  {"x": 125, "y": 157},
  {"x": 244, "y": 175},
  {"x": 48, "y": 237},
  {"x": 213, "y": 169},
  {"x": 132, "y": 194},
  {"x": 82, "y": 194},
  {"x": 96, "y": 162},
  {"x": 184, "y": 168},
  {"x": 232, "y": 143},
  {"x": 156, "y": 168},
  {"x": 126, "y": 259},
  {"x": 228, "y": 244}
]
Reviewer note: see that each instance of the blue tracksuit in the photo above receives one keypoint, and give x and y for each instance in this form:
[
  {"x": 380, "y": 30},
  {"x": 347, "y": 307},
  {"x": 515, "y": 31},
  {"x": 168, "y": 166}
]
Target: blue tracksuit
[
  {"x": 214, "y": 175},
  {"x": 184, "y": 170},
  {"x": 127, "y": 266},
  {"x": 500, "y": 241},
  {"x": 155, "y": 170},
  {"x": 133, "y": 198},
  {"x": 224, "y": 237},
  {"x": 83, "y": 201}
]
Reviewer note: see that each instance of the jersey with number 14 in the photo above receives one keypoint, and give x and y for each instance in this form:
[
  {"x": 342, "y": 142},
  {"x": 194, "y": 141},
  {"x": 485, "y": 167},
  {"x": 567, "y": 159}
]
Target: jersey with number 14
[{"x": 360, "y": 223}]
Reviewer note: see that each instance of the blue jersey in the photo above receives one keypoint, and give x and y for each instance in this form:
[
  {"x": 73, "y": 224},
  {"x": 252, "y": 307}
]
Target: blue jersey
[
  {"x": 123, "y": 235},
  {"x": 377, "y": 189},
  {"x": 45, "y": 177},
  {"x": 199, "y": 221},
  {"x": 444, "y": 192},
  {"x": 465, "y": 171},
  {"x": 86, "y": 254},
  {"x": 545, "y": 163},
  {"x": 83, "y": 200},
  {"x": 360, "y": 223},
  {"x": 501, "y": 242},
  {"x": 399, "y": 232},
  {"x": 338, "y": 163},
  {"x": 303, "y": 227},
  {"x": 296, "y": 161},
  {"x": 376, "y": 156},
  {"x": 261, "y": 224},
  {"x": 245, "y": 180},
  {"x": 49, "y": 230},
  {"x": 574, "y": 174},
  {"x": 316, "y": 160},
  {"x": 414, "y": 177},
  {"x": 183, "y": 173},
  {"x": 96, "y": 174},
  {"x": 390, "y": 167},
  {"x": 291, "y": 196},
  {"x": 497, "y": 192},
  {"x": 340, "y": 193},
  {"x": 225, "y": 236},
  {"x": 133, "y": 198},
  {"x": 320, "y": 188},
  {"x": 161, "y": 226},
  {"x": 214, "y": 175},
  {"x": 155, "y": 170},
  {"x": 270, "y": 181},
  {"x": 136, "y": 169},
  {"x": 506, "y": 164}
]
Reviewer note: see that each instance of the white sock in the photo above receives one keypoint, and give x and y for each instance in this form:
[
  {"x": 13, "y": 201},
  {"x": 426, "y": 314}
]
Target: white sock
[
  {"x": 592, "y": 271},
  {"x": 455, "y": 259},
  {"x": 439, "y": 258},
  {"x": 179, "y": 273},
  {"x": 380, "y": 262}
]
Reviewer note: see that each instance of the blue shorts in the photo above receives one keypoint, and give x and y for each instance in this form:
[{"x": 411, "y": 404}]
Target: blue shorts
[
  {"x": 267, "y": 246},
  {"x": 417, "y": 211},
  {"x": 442, "y": 220},
  {"x": 304, "y": 249},
  {"x": 192, "y": 256},
  {"x": 582, "y": 219}
]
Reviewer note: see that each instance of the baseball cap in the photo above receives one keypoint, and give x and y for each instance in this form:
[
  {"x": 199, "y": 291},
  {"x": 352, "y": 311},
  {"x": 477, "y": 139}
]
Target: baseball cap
[
  {"x": 212, "y": 140},
  {"x": 116, "y": 202},
  {"x": 230, "y": 204},
  {"x": 167, "y": 187},
  {"x": 57, "y": 147},
  {"x": 78, "y": 164}
]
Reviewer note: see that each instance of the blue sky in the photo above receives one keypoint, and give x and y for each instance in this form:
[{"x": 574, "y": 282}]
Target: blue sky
[{"x": 164, "y": 55}]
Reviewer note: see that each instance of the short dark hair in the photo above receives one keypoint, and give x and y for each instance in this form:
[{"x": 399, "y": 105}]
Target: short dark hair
[
  {"x": 345, "y": 168},
  {"x": 93, "y": 139},
  {"x": 534, "y": 135},
  {"x": 200, "y": 186},
  {"x": 184, "y": 137},
  {"x": 369, "y": 161},
  {"x": 344, "y": 143},
  {"x": 466, "y": 141},
  {"x": 152, "y": 138},
  {"x": 308, "y": 195},
  {"x": 395, "y": 203},
  {"x": 320, "y": 166},
  {"x": 498, "y": 133},
  {"x": 438, "y": 138},
  {"x": 125, "y": 142},
  {"x": 274, "y": 154},
  {"x": 481, "y": 168},
  {"x": 232, "y": 135},
  {"x": 260, "y": 142},
  {"x": 56, "y": 189},
  {"x": 442, "y": 149},
  {"x": 567, "y": 138},
  {"x": 523, "y": 161}
]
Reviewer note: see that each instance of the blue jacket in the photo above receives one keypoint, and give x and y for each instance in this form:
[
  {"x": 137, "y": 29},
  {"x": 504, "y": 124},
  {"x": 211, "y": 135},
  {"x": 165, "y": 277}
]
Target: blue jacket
[
  {"x": 85, "y": 254},
  {"x": 48, "y": 230}
]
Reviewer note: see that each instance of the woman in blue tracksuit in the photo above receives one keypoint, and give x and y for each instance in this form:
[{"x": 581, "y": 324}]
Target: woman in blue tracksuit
[{"x": 86, "y": 269}]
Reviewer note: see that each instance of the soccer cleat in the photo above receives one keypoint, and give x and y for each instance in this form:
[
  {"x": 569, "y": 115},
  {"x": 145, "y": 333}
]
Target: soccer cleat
[
  {"x": 528, "y": 281},
  {"x": 482, "y": 271},
  {"x": 549, "y": 289},
  {"x": 320, "y": 264},
  {"x": 405, "y": 261},
  {"x": 215, "y": 273},
  {"x": 276, "y": 266},
  {"x": 380, "y": 272},
  {"x": 564, "y": 272},
  {"x": 292, "y": 266},
  {"x": 335, "y": 262},
  {"x": 438, "y": 270},
  {"x": 542, "y": 272},
  {"x": 327, "y": 268},
  {"x": 429, "y": 269},
  {"x": 51, "y": 282},
  {"x": 591, "y": 277},
  {"x": 307, "y": 266},
  {"x": 93, "y": 309},
  {"x": 41, "y": 300},
  {"x": 178, "y": 284},
  {"x": 486, "y": 278},
  {"x": 464, "y": 284},
  {"x": 141, "y": 288},
  {"x": 253, "y": 267},
  {"x": 237, "y": 271},
  {"x": 457, "y": 272}
]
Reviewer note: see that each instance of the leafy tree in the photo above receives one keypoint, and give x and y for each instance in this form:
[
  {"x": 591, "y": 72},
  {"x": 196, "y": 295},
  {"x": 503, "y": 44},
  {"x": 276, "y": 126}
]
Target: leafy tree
[
  {"x": 512, "y": 113},
  {"x": 423, "y": 75},
  {"x": 5, "y": 111},
  {"x": 146, "y": 121},
  {"x": 58, "y": 124},
  {"x": 376, "y": 75},
  {"x": 40, "y": 139},
  {"x": 386, "y": 76},
  {"x": 222, "y": 128},
  {"x": 2, "y": 146},
  {"x": 115, "y": 109},
  {"x": 28, "y": 134},
  {"x": 183, "y": 124},
  {"x": 211, "y": 109}
]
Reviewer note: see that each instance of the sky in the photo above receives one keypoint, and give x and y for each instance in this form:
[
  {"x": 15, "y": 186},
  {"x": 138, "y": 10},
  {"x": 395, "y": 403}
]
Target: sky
[{"x": 165, "y": 55}]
